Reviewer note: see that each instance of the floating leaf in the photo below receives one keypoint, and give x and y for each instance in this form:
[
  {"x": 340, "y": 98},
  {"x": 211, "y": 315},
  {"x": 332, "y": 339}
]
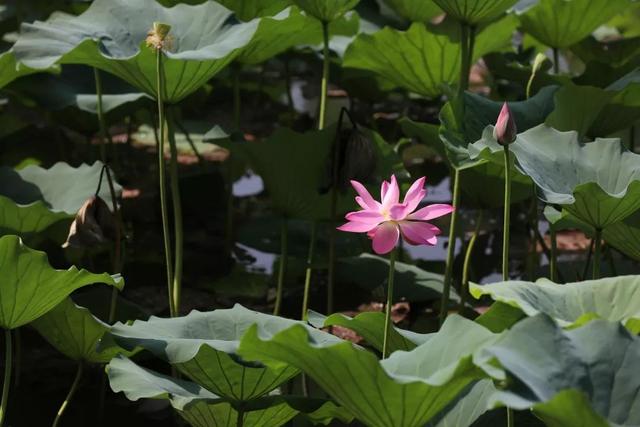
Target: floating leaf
[
  {"x": 616, "y": 299},
  {"x": 556, "y": 23},
  {"x": 30, "y": 287},
  {"x": 326, "y": 10},
  {"x": 408, "y": 389},
  {"x": 110, "y": 36},
  {"x": 597, "y": 182},
  {"x": 473, "y": 12},
  {"x": 203, "y": 346}
]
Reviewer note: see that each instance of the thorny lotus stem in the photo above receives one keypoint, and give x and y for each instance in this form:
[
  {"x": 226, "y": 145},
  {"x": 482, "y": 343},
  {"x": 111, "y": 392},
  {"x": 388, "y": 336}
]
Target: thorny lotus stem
[
  {"x": 177, "y": 217},
  {"x": 389, "y": 305},
  {"x": 597, "y": 253},
  {"x": 553, "y": 259},
  {"x": 72, "y": 392},
  {"x": 448, "y": 272},
  {"x": 284, "y": 235},
  {"x": 325, "y": 75},
  {"x": 309, "y": 270},
  {"x": 507, "y": 214},
  {"x": 464, "y": 291},
  {"x": 162, "y": 179},
  {"x": 7, "y": 375}
]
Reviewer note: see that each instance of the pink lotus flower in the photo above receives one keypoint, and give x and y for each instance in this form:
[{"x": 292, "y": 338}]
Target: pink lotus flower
[
  {"x": 384, "y": 221},
  {"x": 505, "y": 131}
]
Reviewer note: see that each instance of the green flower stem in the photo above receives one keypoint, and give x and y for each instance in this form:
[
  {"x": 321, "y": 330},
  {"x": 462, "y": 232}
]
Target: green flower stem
[
  {"x": 507, "y": 214},
  {"x": 7, "y": 375},
  {"x": 309, "y": 270},
  {"x": 556, "y": 60},
  {"x": 284, "y": 253},
  {"x": 325, "y": 75},
  {"x": 448, "y": 272},
  {"x": 240, "y": 418},
  {"x": 389, "y": 305},
  {"x": 597, "y": 253},
  {"x": 467, "y": 261},
  {"x": 177, "y": 216},
  {"x": 510, "y": 417},
  {"x": 163, "y": 177},
  {"x": 72, "y": 392},
  {"x": 465, "y": 59},
  {"x": 553, "y": 260}
]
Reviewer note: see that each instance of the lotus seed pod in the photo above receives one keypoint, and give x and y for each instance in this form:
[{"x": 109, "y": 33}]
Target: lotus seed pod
[
  {"x": 356, "y": 159},
  {"x": 158, "y": 37},
  {"x": 93, "y": 225},
  {"x": 505, "y": 130}
]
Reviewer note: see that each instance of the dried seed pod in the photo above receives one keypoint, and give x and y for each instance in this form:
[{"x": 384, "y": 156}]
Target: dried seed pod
[{"x": 93, "y": 225}]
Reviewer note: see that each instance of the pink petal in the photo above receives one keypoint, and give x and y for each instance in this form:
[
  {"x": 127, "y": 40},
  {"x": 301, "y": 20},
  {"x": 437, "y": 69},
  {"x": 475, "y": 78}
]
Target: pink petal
[
  {"x": 367, "y": 199},
  {"x": 361, "y": 202},
  {"x": 392, "y": 195},
  {"x": 431, "y": 212},
  {"x": 383, "y": 189},
  {"x": 419, "y": 233},
  {"x": 399, "y": 212},
  {"x": 415, "y": 194},
  {"x": 368, "y": 217},
  {"x": 385, "y": 238},
  {"x": 357, "y": 227}
]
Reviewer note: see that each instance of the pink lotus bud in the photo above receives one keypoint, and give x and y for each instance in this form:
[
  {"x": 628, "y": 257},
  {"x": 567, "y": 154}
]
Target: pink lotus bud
[{"x": 505, "y": 130}]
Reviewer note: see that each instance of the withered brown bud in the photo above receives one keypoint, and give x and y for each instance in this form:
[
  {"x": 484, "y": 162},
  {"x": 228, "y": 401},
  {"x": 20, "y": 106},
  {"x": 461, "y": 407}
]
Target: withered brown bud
[
  {"x": 158, "y": 37},
  {"x": 93, "y": 225}
]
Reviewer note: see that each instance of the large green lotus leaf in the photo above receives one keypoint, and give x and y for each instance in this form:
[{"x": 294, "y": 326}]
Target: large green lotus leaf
[
  {"x": 425, "y": 58},
  {"x": 203, "y": 346},
  {"x": 10, "y": 69},
  {"x": 75, "y": 332},
  {"x": 500, "y": 316},
  {"x": 560, "y": 24},
  {"x": 612, "y": 298},
  {"x": 468, "y": 407},
  {"x": 414, "y": 10},
  {"x": 30, "y": 287},
  {"x": 597, "y": 182},
  {"x": 474, "y": 12},
  {"x": 326, "y": 10},
  {"x": 407, "y": 389},
  {"x": 411, "y": 283},
  {"x": 201, "y": 408},
  {"x": 625, "y": 236},
  {"x": 370, "y": 326},
  {"x": 34, "y": 198},
  {"x": 294, "y": 188},
  {"x": 584, "y": 377},
  {"x": 111, "y": 34},
  {"x": 246, "y": 10},
  {"x": 615, "y": 53}
]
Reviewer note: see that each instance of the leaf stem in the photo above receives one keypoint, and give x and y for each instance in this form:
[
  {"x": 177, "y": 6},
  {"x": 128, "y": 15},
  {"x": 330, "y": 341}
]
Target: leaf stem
[
  {"x": 556, "y": 60},
  {"x": 553, "y": 259},
  {"x": 507, "y": 214},
  {"x": 448, "y": 272},
  {"x": 284, "y": 232},
  {"x": 389, "y": 304},
  {"x": 467, "y": 261},
  {"x": 162, "y": 179},
  {"x": 309, "y": 270},
  {"x": 72, "y": 392},
  {"x": 240, "y": 418},
  {"x": 7, "y": 375},
  {"x": 597, "y": 253},
  {"x": 177, "y": 216},
  {"x": 325, "y": 75}
]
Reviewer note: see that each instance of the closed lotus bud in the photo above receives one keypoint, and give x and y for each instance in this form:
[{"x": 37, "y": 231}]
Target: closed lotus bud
[
  {"x": 158, "y": 37},
  {"x": 505, "y": 130},
  {"x": 93, "y": 225}
]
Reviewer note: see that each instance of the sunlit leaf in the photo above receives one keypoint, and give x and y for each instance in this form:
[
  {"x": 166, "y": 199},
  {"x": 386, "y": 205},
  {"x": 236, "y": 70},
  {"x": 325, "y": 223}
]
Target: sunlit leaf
[
  {"x": 414, "y": 10},
  {"x": 326, "y": 10},
  {"x": 474, "y": 12}
]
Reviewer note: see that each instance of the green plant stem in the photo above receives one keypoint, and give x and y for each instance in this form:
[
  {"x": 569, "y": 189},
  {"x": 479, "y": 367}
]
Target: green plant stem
[
  {"x": 556, "y": 60},
  {"x": 448, "y": 272},
  {"x": 284, "y": 253},
  {"x": 7, "y": 375},
  {"x": 507, "y": 214},
  {"x": 17, "y": 356},
  {"x": 162, "y": 179},
  {"x": 465, "y": 59},
  {"x": 389, "y": 305},
  {"x": 177, "y": 216},
  {"x": 72, "y": 392},
  {"x": 467, "y": 261},
  {"x": 553, "y": 260},
  {"x": 309, "y": 270},
  {"x": 240, "y": 418},
  {"x": 597, "y": 253},
  {"x": 325, "y": 76},
  {"x": 510, "y": 417}
]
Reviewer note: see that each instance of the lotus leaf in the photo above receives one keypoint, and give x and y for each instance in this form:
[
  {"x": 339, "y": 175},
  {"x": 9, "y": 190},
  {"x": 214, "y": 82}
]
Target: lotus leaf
[
  {"x": 555, "y": 23},
  {"x": 203, "y": 346},
  {"x": 326, "y": 10},
  {"x": 414, "y": 10},
  {"x": 613, "y": 298},
  {"x": 473, "y": 12},
  {"x": 10, "y": 69},
  {"x": 625, "y": 236},
  {"x": 34, "y": 198},
  {"x": 597, "y": 182},
  {"x": 425, "y": 58},
  {"x": 468, "y": 407},
  {"x": 246, "y": 10},
  {"x": 584, "y": 377},
  {"x": 75, "y": 332},
  {"x": 30, "y": 287},
  {"x": 408, "y": 389},
  {"x": 111, "y": 34}
]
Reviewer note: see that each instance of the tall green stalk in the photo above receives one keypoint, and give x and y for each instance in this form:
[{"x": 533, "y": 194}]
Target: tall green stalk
[
  {"x": 389, "y": 304},
  {"x": 284, "y": 253},
  {"x": 309, "y": 270},
  {"x": 7, "y": 375},
  {"x": 507, "y": 214},
  {"x": 464, "y": 291},
  {"x": 177, "y": 217},
  {"x": 325, "y": 76},
  {"x": 597, "y": 253},
  {"x": 162, "y": 122},
  {"x": 448, "y": 272},
  {"x": 72, "y": 392}
]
